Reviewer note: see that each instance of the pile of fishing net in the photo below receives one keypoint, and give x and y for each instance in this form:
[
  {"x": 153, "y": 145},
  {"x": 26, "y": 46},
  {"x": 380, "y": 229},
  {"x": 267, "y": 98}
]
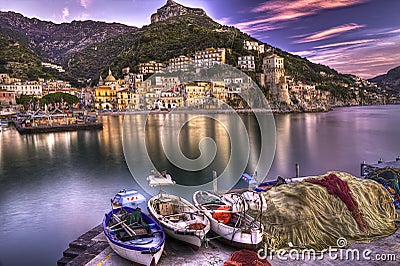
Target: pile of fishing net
[
  {"x": 318, "y": 211},
  {"x": 389, "y": 178},
  {"x": 246, "y": 257}
]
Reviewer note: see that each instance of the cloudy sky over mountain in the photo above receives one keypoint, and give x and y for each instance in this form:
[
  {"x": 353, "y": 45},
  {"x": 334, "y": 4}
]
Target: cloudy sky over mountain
[{"x": 353, "y": 36}]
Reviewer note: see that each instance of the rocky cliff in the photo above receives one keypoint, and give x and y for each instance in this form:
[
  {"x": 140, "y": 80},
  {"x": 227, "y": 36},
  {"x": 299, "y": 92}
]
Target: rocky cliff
[
  {"x": 57, "y": 42},
  {"x": 173, "y": 9},
  {"x": 389, "y": 80}
]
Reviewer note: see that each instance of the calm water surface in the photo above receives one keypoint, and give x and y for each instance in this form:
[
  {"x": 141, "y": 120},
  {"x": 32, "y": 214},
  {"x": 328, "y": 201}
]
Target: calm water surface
[{"x": 56, "y": 186}]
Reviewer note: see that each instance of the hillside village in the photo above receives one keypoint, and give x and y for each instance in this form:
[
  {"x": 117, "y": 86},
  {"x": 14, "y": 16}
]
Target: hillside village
[
  {"x": 133, "y": 89},
  {"x": 134, "y": 92}
]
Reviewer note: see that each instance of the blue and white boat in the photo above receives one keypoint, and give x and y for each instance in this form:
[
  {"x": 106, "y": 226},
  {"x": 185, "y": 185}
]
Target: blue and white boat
[
  {"x": 265, "y": 186},
  {"x": 3, "y": 125},
  {"x": 127, "y": 198},
  {"x": 134, "y": 235}
]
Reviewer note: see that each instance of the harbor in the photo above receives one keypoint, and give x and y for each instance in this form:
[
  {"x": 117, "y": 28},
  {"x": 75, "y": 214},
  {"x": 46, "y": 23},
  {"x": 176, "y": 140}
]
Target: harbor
[
  {"x": 72, "y": 165},
  {"x": 95, "y": 251},
  {"x": 380, "y": 243},
  {"x": 215, "y": 133},
  {"x": 92, "y": 249}
]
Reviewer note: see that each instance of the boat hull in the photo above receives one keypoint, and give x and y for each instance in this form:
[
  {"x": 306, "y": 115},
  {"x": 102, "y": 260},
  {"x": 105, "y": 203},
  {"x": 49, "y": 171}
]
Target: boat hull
[
  {"x": 192, "y": 237},
  {"x": 137, "y": 256},
  {"x": 147, "y": 253},
  {"x": 235, "y": 237},
  {"x": 193, "y": 240},
  {"x": 248, "y": 237}
]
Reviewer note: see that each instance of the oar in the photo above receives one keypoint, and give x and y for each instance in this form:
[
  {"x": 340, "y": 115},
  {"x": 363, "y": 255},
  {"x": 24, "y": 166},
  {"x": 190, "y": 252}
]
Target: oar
[
  {"x": 115, "y": 225},
  {"x": 127, "y": 228}
]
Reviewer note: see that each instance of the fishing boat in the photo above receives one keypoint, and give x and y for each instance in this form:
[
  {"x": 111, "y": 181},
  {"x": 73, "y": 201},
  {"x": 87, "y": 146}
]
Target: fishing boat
[
  {"x": 3, "y": 125},
  {"x": 257, "y": 186},
  {"x": 157, "y": 179},
  {"x": 134, "y": 235},
  {"x": 179, "y": 219},
  {"x": 265, "y": 186},
  {"x": 234, "y": 227},
  {"x": 255, "y": 201},
  {"x": 127, "y": 198},
  {"x": 177, "y": 216}
]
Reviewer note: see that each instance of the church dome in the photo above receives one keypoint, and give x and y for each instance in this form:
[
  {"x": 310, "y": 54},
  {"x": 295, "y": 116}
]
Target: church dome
[{"x": 110, "y": 77}]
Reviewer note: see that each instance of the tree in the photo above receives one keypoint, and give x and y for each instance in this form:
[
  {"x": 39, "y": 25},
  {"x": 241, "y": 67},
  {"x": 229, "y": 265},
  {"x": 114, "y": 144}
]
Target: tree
[{"x": 59, "y": 97}]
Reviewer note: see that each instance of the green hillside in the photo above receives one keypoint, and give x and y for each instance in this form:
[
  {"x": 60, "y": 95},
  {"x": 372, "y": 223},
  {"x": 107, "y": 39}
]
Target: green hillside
[
  {"x": 19, "y": 61},
  {"x": 183, "y": 35}
]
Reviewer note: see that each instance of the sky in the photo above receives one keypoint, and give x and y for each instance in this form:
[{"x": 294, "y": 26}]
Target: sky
[{"x": 360, "y": 37}]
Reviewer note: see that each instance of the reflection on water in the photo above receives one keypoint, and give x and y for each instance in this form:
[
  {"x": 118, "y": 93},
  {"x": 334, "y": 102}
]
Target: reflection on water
[
  {"x": 338, "y": 140},
  {"x": 189, "y": 138},
  {"x": 56, "y": 186}
]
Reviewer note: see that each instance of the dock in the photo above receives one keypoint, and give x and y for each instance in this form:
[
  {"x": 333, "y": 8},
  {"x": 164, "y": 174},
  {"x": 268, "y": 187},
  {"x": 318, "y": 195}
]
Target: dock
[
  {"x": 92, "y": 249},
  {"x": 366, "y": 168},
  {"x": 56, "y": 128}
]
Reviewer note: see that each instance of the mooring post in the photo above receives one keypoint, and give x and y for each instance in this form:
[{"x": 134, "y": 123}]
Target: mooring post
[
  {"x": 215, "y": 181},
  {"x": 362, "y": 168},
  {"x": 297, "y": 170}
]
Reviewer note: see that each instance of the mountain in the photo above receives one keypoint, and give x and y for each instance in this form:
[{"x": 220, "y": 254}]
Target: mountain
[
  {"x": 20, "y": 61},
  {"x": 184, "y": 35},
  {"x": 57, "y": 42},
  {"x": 389, "y": 80},
  {"x": 173, "y": 9},
  {"x": 88, "y": 48}
]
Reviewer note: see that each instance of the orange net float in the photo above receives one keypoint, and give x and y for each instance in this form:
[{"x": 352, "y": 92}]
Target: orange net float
[
  {"x": 223, "y": 217},
  {"x": 196, "y": 226}
]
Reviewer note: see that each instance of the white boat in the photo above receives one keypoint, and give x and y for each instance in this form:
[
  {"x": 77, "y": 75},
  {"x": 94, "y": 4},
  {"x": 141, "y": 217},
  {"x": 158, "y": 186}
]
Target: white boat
[
  {"x": 160, "y": 179},
  {"x": 177, "y": 216},
  {"x": 234, "y": 227},
  {"x": 179, "y": 219},
  {"x": 255, "y": 200}
]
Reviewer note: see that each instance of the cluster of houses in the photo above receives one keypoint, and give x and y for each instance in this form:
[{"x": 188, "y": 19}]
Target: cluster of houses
[
  {"x": 133, "y": 92},
  {"x": 12, "y": 88},
  {"x": 162, "y": 92}
]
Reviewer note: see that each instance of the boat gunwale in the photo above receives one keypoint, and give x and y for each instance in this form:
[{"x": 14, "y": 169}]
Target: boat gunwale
[
  {"x": 169, "y": 225},
  {"x": 133, "y": 247}
]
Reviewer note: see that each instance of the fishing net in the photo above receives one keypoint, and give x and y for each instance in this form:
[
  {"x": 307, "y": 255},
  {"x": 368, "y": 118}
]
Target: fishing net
[
  {"x": 245, "y": 257},
  {"x": 388, "y": 177},
  {"x": 339, "y": 188},
  {"x": 305, "y": 215}
]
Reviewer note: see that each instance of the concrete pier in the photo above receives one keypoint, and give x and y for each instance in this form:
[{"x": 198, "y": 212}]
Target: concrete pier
[{"x": 92, "y": 249}]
